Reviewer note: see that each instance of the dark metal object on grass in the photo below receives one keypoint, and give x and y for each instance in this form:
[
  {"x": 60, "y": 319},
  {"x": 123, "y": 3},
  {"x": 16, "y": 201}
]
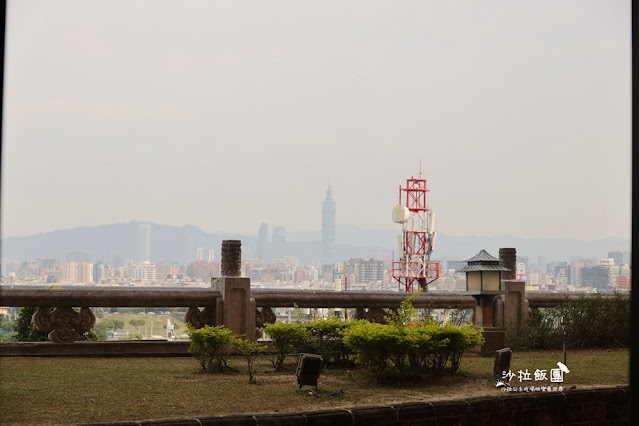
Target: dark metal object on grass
[
  {"x": 308, "y": 370},
  {"x": 502, "y": 363}
]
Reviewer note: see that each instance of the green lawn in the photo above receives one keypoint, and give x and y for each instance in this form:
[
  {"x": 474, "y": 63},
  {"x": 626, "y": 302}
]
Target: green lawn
[
  {"x": 73, "y": 390},
  {"x": 153, "y": 323}
]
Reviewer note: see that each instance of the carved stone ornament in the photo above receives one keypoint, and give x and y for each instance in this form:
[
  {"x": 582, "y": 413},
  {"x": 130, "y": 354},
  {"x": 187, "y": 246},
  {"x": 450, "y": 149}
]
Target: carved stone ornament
[
  {"x": 269, "y": 316},
  {"x": 360, "y": 314},
  {"x": 376, "y": 315},
  {"x": 263, "y": 317},
  {"x": 199, "y": 319},
  {"x": 65, "y": 324}
]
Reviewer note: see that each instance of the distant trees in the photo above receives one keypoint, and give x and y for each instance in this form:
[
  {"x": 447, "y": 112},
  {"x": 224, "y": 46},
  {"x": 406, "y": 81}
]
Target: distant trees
[
  {"x": 6, "y": 324},
  {"x": 137, "y": 322},
  {"x": 117, "y": 324},
  {"x": 105, "y": 325},
  {"x": 25, "y": 329}
]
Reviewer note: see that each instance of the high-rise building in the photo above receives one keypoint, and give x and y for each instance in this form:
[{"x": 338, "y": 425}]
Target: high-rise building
[
  {"x": 70, "y": 271},
  {"x": 144, "y": 242},
  {"x": 279, "y": 241},
  {"x": 77, "y": 272},
  {"x": 542, "y": 264},
  {"x": 596, "y": 276},
  {"x": 542, "y": 268},
  {"x": 205, "y": 254},
  {"x": 98, "y": 272},
  {"x": 563, "y": 275},
  {"x": 328, "y": 228},
  {"x": 201, "y": 269},
  {"x": 369, "y": 271},
  {"x": 262, "y": 241},
  {"x": 189, "y": 253},
  {"x": 620, "y": 257}
]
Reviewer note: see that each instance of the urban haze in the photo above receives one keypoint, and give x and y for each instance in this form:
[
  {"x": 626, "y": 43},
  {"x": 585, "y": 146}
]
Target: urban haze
[{"x": 226, "y": 116}]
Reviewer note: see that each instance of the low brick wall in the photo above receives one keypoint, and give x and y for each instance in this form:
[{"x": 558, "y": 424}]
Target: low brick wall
[{"x": 607, "y": 405}]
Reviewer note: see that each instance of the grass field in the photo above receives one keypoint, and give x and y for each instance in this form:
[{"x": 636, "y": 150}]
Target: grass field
[
  {"x": 154, "y": 325},
  {"x": 74, "y": 390}
]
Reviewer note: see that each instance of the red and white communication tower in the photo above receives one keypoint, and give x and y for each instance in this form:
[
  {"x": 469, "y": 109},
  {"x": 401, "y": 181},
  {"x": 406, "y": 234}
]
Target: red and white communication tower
[{"x": 418, "y": 236}]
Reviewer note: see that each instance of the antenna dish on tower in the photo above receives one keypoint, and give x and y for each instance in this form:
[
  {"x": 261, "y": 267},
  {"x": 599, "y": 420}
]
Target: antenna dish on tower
[{"x": 400, "y": 214}]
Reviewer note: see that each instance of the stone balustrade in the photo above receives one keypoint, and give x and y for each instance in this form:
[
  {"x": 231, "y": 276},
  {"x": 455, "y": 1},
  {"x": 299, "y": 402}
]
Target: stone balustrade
[{"x": 231, "y": 301}]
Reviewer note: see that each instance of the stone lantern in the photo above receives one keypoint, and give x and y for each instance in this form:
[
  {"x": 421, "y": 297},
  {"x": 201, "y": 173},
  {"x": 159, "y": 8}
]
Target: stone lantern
[{"x": 483, "y": 282}]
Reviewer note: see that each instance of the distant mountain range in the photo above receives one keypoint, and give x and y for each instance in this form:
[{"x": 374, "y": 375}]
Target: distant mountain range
[{"x": 179, "y": 244}]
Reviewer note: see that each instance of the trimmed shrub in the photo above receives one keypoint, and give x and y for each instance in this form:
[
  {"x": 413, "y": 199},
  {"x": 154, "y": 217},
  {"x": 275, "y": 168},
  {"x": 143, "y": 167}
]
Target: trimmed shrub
[
  {"x": 448, "y": 344},
  {"x": 410, "y": 349},
  {"x": 325, "y": 337},
  {"x": 250, "y": 351},
  {"x": 374, "y": 344},
  {"x": 286, "y": 338},
  {"x": 210, "y": 346},
  {"x": 591, "y": 322}
]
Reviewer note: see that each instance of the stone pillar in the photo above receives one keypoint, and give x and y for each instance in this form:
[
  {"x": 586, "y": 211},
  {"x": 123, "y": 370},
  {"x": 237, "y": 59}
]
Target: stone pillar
[
  {"x": 231, "y": 258},
  {"x": 516, "y": 306},
  {"x": 484, "y": 319},
  {"x": 484, "y": 311},
  {"x": 508, "y": 259},
  {"x": 236, "y": 308}
]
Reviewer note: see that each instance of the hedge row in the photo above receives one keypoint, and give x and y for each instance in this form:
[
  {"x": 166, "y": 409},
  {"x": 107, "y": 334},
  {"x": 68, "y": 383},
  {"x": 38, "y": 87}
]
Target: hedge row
[
  {"x": 399, "y": 347},
  {"x": 590, "y": 322}
]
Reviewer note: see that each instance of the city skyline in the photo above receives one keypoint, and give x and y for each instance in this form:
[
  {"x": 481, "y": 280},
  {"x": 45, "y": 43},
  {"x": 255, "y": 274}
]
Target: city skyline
[
  {"x": 604, "y": 274},
  {"x": 168, "y": 243},
  {"x": 232, "y": 116}
]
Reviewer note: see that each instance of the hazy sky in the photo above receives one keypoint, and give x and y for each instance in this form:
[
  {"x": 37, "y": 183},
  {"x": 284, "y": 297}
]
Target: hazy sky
[{"x": 227, "y": 114}]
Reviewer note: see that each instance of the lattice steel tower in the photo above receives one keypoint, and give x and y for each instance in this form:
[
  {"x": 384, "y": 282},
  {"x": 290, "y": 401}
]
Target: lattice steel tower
[{"x": 417, "y": 240}]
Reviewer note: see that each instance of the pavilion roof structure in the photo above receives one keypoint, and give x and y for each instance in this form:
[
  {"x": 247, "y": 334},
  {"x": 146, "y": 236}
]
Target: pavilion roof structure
[{"x": 483, "y": 261}]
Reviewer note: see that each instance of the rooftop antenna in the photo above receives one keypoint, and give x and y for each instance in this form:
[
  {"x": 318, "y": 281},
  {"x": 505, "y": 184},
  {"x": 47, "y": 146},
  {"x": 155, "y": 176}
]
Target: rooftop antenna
[{"x": 420, "y": 169}]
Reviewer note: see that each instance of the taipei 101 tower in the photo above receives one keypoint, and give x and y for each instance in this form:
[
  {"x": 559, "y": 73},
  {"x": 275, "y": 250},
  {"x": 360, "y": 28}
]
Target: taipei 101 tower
[{"x": 328, "y": 228}]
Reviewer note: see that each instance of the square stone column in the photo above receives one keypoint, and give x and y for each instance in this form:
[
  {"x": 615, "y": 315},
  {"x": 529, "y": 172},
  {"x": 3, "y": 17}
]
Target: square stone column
[
  {"x": 236, "y": 308},
  {"x": 515, "y": 306}
]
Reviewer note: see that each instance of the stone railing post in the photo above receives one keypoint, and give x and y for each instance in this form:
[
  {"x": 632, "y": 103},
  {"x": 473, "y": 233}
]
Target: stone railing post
[
  {"x": 508, "y": 259},
  {"x": 516, "y": 306},
  {"x": 236, "y": 308}
]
